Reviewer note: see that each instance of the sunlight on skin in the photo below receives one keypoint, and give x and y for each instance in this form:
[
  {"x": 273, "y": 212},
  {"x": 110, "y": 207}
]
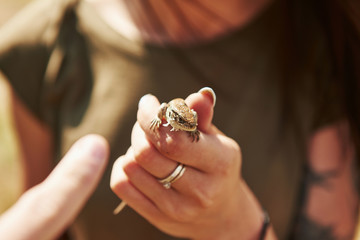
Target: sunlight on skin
[{"x": 10, "y": 179}]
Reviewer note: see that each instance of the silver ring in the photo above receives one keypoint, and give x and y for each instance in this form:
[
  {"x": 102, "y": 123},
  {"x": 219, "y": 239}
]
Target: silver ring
[{"x": 173, "y": 177}]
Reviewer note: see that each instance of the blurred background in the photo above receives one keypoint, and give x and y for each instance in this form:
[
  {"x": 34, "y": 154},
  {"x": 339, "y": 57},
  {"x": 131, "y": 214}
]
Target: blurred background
[
  {"x": 10, "y": 181},
  {"x": 9, "y": 7}
]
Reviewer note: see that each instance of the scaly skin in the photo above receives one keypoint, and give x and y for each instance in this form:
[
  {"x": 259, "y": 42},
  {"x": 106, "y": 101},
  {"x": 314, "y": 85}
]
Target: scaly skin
[{"x": 179, "y": 116}]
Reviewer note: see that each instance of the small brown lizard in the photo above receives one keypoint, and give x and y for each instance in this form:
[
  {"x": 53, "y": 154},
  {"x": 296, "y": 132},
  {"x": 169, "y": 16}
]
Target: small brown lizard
[{"x": 179, "y": 116}]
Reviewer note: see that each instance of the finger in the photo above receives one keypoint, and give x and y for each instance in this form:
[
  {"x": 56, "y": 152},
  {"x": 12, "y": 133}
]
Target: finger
[
  {"x": 167, "y": 201},
  {"x": 171, "y": 203},
  {"x": 126, "y": 190},
  {"x": 46, "y": 210},
  {"x": 127, "y": 179},
  {"x": 148, "y": 156},
  {"x": 194, "y": 183},
  {"x": 176, "y": 145},
  {"x": 203, "y": 103},
  {"x": 159, "y": 166},
  {"x": 138, "y": 177}
]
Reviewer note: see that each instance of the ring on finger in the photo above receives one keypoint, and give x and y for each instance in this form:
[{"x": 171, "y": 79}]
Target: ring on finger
[{"x": 173, "y": 177}]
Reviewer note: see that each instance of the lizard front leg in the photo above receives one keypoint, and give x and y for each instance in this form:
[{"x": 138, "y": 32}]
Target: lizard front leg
[
  {"x": 195, "y": 135},
  {"x": 155, "y": 123}
]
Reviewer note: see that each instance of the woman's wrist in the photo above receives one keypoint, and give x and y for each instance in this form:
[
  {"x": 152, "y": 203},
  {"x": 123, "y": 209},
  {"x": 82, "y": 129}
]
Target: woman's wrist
[
  {"x": 250, "y": 214},
  {"x": 244, "y": 218},
  {"x": 254, "y": 211}
]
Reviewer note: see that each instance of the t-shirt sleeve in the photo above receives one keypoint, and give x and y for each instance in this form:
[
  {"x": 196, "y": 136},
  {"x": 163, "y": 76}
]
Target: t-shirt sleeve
[{"x": 26, "y": 45}]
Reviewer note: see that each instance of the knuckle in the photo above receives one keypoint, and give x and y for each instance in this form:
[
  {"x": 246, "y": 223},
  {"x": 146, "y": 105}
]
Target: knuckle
[
  {"x": 224, "y": 167},
  {"x": 119, "y": 190},
  {"x": 115, "y": 185},
  {"x": 235, "y": 147},
  {"x": 231, "y": 162},
  {"x": 181, "y": 211},
  {"x": 145, "y": 155},
  {"x": 206, "y": 201},
  {"x": 170, "y": 210},
  {"x": 206, "y": 197},
  {"x": 183, "y": 214},
  {"x": 171, "y": 146},
  {"x": 117, "y": 180}
]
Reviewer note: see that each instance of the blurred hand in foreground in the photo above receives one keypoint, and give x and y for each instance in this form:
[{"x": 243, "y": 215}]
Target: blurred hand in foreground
[{"x": 46, "y": 210}]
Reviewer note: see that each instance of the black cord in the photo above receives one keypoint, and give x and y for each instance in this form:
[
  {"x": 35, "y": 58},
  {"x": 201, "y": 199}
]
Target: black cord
[{"x": 265, "y": 226}]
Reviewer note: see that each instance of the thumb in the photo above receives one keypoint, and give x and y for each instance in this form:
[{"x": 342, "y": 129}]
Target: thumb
[
  {"x": 203, "y": 103},
  {"x": 46, "y": 210}
]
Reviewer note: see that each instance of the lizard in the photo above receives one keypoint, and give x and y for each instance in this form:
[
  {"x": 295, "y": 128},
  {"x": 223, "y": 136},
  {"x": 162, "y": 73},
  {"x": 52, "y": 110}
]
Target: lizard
[{"x": 179, "y": 116}]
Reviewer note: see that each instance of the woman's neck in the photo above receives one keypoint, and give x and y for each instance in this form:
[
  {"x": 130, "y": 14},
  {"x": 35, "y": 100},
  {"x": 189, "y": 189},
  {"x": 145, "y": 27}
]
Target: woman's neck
[{"x": 179, "y": 22}]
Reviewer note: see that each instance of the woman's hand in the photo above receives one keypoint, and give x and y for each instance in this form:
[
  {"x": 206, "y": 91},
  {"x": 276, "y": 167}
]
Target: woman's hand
[
  {"x": 210, "y": 200},
  {"x": 44, "y": 211}
]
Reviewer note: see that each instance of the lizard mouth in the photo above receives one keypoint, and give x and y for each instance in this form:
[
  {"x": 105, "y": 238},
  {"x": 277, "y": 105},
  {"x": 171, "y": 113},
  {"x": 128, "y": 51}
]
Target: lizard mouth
[{"x": 183, "y": 126}]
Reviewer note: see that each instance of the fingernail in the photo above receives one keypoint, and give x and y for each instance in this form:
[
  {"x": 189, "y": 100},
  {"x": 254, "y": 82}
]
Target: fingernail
[
  {"x": 96, "y": 145},
  {"x": 99, "y": 151},
  {"x": 207, "y": 91},
  {"x": 143, "y": 99}
]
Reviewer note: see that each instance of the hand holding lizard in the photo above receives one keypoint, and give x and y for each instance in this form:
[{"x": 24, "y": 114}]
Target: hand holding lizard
[{"x": 210, "y": 201}]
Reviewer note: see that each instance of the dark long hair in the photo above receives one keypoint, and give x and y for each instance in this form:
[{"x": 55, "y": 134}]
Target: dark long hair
[{"x": 340, "y": 22}]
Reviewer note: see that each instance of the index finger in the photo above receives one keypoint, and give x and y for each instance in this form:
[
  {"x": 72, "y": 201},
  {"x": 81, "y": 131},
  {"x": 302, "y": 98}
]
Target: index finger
[
  {"x": 48, "y": 208},
  {"x": 205, "y": 154}
]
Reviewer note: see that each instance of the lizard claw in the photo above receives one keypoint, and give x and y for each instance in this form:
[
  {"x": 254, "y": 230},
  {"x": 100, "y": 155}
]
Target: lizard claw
[
  {"x": 195, "y": 135},
  {"x": 155, "y": 123}
]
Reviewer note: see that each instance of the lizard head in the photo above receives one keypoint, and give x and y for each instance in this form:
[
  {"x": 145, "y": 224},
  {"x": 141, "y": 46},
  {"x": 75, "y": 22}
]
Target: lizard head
[
  {"x": 180, "y": 116},
  {"x": 184, "y": 123}
]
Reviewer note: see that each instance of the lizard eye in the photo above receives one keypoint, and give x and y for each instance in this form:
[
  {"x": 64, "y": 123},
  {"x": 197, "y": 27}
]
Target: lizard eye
[
  {"x": 181, "y": 120},
  {"x": 178, "y": 118}
]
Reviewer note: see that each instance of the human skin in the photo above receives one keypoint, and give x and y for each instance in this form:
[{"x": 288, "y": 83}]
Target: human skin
[
  {"x": 46, "y": 210},
  {"x": 210, "y": 201},
  {"x": 158, "y": 21}
]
